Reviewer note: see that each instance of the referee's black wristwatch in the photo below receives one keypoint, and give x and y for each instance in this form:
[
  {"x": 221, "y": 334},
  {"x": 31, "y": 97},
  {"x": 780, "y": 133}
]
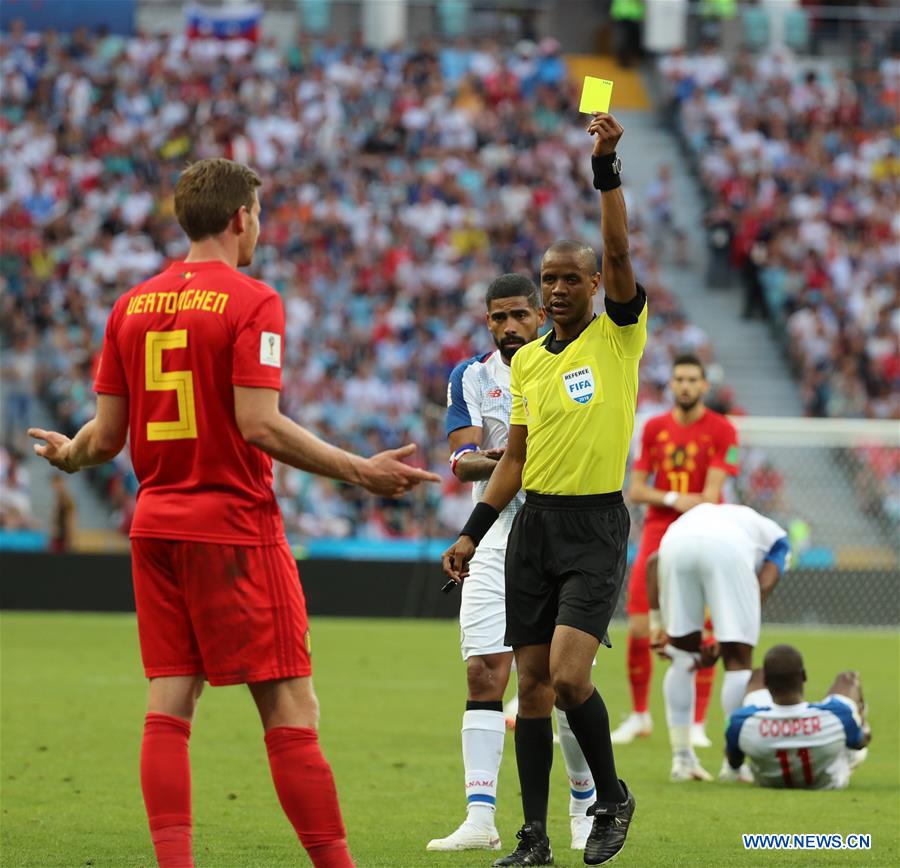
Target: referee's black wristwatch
[{"x": 607, "y": 170}]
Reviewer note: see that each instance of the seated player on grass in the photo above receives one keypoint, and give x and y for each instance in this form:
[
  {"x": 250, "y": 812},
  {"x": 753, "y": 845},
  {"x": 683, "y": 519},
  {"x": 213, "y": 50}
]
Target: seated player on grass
[{"x": 793, "y": 744}]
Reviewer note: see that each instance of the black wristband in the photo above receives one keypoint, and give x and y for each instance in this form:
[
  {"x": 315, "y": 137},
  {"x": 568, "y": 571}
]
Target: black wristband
[
  {"x": 606, "y": 172},
  {"x": 480, "y": 521}
]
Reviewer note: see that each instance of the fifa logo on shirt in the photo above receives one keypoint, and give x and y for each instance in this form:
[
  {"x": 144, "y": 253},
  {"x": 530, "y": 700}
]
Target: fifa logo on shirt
[{"x": 579, "y": 384}]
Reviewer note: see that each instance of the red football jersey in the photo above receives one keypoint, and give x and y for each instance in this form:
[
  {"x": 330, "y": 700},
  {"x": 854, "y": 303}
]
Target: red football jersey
[
  {"x": 676, "y": 457},
  {"x": 175, "y": 346}
]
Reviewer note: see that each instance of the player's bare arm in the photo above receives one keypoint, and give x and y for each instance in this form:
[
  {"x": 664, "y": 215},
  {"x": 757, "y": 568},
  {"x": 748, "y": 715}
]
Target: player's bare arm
[
  {"x": 735, "y": 758},
  {"x": 658, "y": 637},
  {"x": 472, "y": 466},
  {"x": 505, "y": 481},
  {"x": 640, "y": 492},
  {"x": 768, "y": 576},
  {"x": 263, "y": 425},
  {"x": 99, "y": 440},
  {"x": 713, "y": 485},
  {"x": 618, "y": 277}
]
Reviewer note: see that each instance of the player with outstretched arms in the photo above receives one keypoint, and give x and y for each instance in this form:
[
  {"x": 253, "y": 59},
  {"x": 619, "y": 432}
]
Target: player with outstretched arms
[
  {"x": 794, "y": 744},
  {"x": 685, "y": 457},
  {"x": 727, "y": 559},
  {"x": 478, "y": 408},
  {"x": 190, "y": 372}
]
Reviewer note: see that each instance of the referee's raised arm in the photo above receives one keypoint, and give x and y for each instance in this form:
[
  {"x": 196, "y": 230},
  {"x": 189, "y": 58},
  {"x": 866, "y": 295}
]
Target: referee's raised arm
[
  {"x": 618, "y": 277},
  {"x": 574, "y": 394}
]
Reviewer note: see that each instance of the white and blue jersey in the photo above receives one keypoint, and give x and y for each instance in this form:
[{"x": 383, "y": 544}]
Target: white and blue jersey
[
  {"x": 810, "y": 745},
  {"x": 478, "y": 396}
]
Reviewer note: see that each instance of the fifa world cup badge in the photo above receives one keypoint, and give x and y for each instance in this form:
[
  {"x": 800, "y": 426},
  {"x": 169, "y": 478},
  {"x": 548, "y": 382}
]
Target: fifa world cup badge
[{"x": 270, "y": 349}]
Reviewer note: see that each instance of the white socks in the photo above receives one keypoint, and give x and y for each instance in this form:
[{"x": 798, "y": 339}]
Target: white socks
[
  {"x": 678, "y": 690},
  {"x": 734, "y": 688},
  {"x": 582, "y": 793},
  {"x": 483, "y": 733},
  {"x": 482, "y": 745}
]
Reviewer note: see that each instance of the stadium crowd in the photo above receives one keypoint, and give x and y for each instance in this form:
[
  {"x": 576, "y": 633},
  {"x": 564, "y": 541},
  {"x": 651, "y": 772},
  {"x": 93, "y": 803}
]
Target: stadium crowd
[
  {"x": 397, "y": 185},
  {"x": 802, "y": 168}
]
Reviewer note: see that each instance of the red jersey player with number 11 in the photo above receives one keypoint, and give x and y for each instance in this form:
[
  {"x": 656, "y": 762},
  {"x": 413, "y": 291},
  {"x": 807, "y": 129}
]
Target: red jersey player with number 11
[
  {"x": 191, "y": 369},
  {"x": 686, "y": 455}
]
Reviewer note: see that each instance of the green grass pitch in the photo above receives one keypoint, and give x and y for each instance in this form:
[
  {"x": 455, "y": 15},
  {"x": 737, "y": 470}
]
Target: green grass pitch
[{"x": 392, "y": 697}]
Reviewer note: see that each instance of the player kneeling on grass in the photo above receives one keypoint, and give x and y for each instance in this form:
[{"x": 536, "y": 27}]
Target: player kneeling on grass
[
  {"x": 727, "y": 558},
  {"x": 478, "y": 408},
  {"x": 792, "y": 744}
]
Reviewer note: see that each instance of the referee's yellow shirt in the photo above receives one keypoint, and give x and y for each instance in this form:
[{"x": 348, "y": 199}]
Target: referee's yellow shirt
[{"x": 579, "y": 406}]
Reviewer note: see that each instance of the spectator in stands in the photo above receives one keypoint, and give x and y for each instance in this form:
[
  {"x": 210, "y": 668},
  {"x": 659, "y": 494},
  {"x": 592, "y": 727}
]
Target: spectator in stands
[
  {"x": 15, "y": 494},
  {"x": 628, "y": 19},
  {"x": 391, "y": 176},
  {"x": 18, "y": 370},
  {"x": 808, "y": 160},
  {"x": 65, "y": 516}
]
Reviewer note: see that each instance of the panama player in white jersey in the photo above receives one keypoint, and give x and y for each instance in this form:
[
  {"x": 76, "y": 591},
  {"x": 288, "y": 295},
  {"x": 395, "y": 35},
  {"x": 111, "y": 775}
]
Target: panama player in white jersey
[
  {"x": 792, "y": 744},
  {"x": 478, "y": 409},
  {"x": 727, "y": 558}
]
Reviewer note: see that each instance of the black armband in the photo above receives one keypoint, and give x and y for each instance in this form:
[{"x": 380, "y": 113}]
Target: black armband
[
  {"x": 607, "y": 168},
  {"x": 626, "y": 313},
  {"x": 480, "y": 521}
]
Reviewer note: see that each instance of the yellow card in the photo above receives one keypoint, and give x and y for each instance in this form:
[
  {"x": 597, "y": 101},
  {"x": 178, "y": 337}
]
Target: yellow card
[{"x": 595, "y": 95}]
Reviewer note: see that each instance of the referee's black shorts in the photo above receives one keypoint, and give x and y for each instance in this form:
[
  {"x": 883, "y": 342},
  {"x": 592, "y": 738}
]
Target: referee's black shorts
[{"x": 565, "y": 565}]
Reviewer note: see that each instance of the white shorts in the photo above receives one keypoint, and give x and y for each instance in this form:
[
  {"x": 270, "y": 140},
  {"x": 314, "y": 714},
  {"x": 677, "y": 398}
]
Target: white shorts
[
  {"x": 482, "y": 611},
  {"x": 695, "y": 573}
]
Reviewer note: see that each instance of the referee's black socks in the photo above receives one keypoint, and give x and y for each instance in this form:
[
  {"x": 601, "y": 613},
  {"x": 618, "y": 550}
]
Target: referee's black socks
[
  {"x": 590, "y": 723},
  {"x": 534, "y": 757}
]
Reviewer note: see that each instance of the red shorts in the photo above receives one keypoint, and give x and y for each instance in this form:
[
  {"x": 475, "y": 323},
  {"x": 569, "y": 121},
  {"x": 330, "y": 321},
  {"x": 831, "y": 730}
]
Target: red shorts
[
  {"x": 235, "y": 614},
  {"x": 651, "y": 536}
]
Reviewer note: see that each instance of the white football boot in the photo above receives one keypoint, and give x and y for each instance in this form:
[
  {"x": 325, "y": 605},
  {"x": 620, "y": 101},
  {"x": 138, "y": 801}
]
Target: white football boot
[
  {"x": 636, "y": 725},
  {"x": 688, "y": 769},
  {"x": 510, "y": 710},
  {"x": 468, "y": 836}
]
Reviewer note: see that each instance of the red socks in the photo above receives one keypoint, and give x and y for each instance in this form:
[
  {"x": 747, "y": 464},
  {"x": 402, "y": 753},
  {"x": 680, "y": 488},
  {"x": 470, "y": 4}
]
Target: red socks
[
  {"x": 302, "y": 778},
  {"x": 306, "y": 790},
  {"x": 703, "y": 686},
  {"x": 166, "y": 784},
  {"x": 640, "y": 668}
]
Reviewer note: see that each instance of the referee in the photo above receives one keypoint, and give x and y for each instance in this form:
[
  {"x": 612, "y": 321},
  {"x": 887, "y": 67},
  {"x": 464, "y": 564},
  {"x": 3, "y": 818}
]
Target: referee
[{"x": 574, "y": 396}]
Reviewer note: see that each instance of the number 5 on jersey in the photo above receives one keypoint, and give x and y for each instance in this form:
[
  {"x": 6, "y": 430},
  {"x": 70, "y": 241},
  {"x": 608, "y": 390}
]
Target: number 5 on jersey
[{"x": 180, "y": 382}]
